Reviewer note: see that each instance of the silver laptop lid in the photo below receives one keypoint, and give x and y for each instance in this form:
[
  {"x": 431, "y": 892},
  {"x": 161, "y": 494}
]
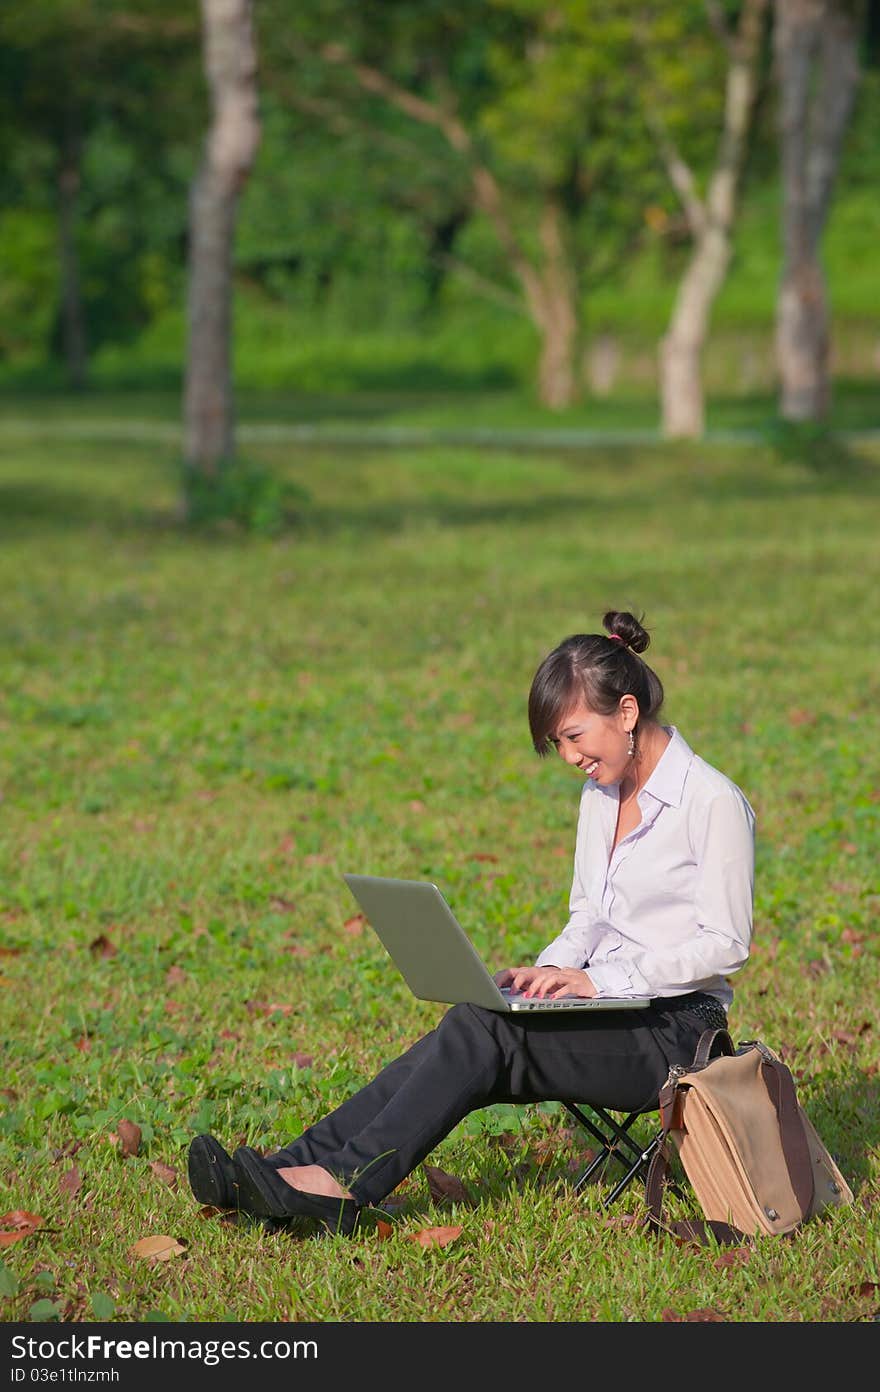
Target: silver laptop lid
[{"x": 424, "y": 939}]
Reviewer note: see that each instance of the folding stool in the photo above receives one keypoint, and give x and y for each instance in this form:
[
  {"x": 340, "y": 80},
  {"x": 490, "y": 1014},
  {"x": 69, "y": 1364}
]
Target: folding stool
[{"x": 615, "y": 1142}]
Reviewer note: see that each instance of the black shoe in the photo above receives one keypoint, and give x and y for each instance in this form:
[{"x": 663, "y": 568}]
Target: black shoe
[
  {"x": 212, "y": 1174},
  {"x": 262, "y": 1192}
]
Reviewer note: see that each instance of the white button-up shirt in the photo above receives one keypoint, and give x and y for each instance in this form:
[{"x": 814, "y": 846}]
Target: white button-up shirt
[{"x": 669, "y": 909}]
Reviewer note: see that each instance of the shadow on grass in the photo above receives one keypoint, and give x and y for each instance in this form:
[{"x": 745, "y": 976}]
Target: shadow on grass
[
  {"x": 824, "y": 465},
  {"x": 848, "y": 1105}
]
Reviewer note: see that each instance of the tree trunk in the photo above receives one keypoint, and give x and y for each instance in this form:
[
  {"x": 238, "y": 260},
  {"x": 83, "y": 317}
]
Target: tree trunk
[
  {"x": 551, "y": 294},
  {"x": 681, "y": 350},
  {"x": 817, "y": 59},
  {"x": 73, "y": 328},
  {"x": 230, "y": 150}
]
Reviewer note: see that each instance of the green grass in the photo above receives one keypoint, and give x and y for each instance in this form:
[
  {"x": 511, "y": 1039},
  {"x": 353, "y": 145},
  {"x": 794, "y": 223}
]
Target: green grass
[{"x": 200, "y": 733}]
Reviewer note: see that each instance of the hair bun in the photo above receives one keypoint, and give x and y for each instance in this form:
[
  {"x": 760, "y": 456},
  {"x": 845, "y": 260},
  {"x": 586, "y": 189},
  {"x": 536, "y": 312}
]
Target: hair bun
[{"x": 627, "y": 628}]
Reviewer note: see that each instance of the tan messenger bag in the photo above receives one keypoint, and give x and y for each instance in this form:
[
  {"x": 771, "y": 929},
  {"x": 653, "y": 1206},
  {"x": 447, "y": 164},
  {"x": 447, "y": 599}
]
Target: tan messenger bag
[{"x": 754, "y": 1160}]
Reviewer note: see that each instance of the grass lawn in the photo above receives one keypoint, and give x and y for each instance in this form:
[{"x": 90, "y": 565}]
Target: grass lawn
[{"x": 199, "y": 734}]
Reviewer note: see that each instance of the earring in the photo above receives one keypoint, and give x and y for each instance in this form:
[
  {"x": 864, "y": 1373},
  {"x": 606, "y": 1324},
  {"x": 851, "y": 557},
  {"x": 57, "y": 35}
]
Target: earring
[{"x": 632, "y": 745}]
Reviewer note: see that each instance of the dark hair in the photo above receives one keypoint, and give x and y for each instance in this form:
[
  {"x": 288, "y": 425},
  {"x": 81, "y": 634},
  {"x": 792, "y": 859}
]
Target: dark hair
[{"x": 598, "y": 669}]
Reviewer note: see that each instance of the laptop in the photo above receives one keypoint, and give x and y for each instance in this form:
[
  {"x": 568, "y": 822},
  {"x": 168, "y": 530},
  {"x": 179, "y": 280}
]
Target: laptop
[{"x": 437, "y": 960}]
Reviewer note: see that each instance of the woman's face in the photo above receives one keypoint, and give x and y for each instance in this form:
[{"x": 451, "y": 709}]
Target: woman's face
[{"x": 596, "y": 744}]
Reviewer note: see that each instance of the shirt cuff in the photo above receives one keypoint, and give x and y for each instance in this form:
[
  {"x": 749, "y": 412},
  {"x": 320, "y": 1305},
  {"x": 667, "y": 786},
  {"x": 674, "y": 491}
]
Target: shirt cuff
[
  {"x": 611, "y": 979},
  {"x": 561, "y": 954}
]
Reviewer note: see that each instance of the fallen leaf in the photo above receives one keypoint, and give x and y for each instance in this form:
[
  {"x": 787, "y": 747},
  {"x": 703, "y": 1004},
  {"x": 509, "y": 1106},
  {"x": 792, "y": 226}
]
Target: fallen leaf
[
  {"x": 845, "y": 1037},
  {"x": 175, "y": 976},
  {"x": 9, "y": 1093},
  {"x": 866, "y": 1290},
  {"x": 282, "y": 905},
  {"x": 83, "y": 1044},
  {"x": 797, "y": 716},
  {"x": 485, "y": 855},
  {"x": 849, "y": 848},
  {"x": 71, "y": 1182},
  {"x": 267, "y": 1008},
  {"x": 434, "y": 1237},
  {"x": 158, "y": 1248},
  {"x": 354, "y": 925},
  {"x": 303, "y": 1060},
  {"x": 18, "y": 1224},
  {"x": 622, "y": 1220},
  {"x": 9, "y": 951},
  {"x": 102, "y": 946},
  {"x": 849, "y": 935},
  {"x": 445, "y": 1186},
  {"x": 416, "y": 805},
  {"x": 129, "y": 1137},
  {"x": 384, "y": 1230},
  {"x": 164, "y": 1172},
  {"x": 737, "y": 1256}
]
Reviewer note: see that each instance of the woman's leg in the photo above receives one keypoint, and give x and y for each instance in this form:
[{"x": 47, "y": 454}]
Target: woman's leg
[{"x": 475, "y": 1057}]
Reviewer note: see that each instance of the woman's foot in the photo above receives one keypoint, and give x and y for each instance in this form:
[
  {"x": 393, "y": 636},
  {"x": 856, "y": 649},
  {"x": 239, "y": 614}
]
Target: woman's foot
[
  {"x": 212, "y": 1173},
  {"x": 263, "y": 1192}
]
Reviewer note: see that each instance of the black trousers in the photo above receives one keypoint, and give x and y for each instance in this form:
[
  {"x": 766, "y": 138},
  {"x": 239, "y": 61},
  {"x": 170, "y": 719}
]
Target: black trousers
[{"x": 616, "y": 1059}]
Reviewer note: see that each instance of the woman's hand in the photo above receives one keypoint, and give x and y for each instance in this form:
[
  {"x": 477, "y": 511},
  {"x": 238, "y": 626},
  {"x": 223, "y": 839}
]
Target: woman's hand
[{"x": 546, "y": 982}]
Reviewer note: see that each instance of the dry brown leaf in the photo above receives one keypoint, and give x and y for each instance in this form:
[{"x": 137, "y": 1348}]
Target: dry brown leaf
[
  {"x": 355, "y": 925},
  {"x": 384, "y": 1230},
  {"x": 158, "y": 1248},
  {"x": 9, "y": 951},
  {"x": 165, "y": 1172},
  {"x": 129, "y": 1137},
  {"x": 18, "y": 1224},
  {"x": 797, "y": 716},
  {"x": 9, "y": 1093},
  {"x": 622, "y": 1220},
  {"x": 255, "y": 1007},
  {"x": 282, "y": 905},
  {"x": 434, "y": 1237},
  {"x": 737, "y": 1256},
  {"x": 445, "y": 1186},
  {"x": 175, "y": 976},
  {"x": 71, "y": 1182},
  {"x": 486, "y": 856},
  {"x": 303, "y": 1060},
  {"x": 101, "y": 946},
  {"x": 850, "y": 935},
  {"x": 83, "y": 1044}
]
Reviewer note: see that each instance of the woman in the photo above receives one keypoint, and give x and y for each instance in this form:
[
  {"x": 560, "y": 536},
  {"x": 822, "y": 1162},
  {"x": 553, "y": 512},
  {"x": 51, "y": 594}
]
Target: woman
[{"x": 661, "y": 907}]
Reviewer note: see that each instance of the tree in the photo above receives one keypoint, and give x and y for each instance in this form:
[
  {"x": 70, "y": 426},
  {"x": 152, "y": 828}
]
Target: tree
[
  {"x": 534, "y": 110},
  {"x": 710, "y": 219},
  {"x": 65, "y": 67},
  {"x": 816, "y": 44},
  {"x": 230, "y": 150}
]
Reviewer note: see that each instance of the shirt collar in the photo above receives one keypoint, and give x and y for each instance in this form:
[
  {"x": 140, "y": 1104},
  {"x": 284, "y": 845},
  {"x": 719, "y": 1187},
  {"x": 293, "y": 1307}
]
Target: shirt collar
[{"x": 666, "y": 783}]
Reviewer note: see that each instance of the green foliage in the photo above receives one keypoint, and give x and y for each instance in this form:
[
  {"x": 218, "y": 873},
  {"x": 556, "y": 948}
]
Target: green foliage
[{"x": 243, "y": 492}]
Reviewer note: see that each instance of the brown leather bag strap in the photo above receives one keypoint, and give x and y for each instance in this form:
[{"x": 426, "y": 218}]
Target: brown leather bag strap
[
  {"x": 706, "y": 1043},
  {"x": 780, "y": 1085}
]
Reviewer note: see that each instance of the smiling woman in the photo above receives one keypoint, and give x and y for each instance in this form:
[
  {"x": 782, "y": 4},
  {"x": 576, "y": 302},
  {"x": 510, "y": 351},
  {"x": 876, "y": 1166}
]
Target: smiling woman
[{"x": 660, "y": 910}]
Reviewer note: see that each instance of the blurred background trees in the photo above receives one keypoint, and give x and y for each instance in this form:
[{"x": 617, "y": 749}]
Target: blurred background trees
[{"x": 566, "y": 196}]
